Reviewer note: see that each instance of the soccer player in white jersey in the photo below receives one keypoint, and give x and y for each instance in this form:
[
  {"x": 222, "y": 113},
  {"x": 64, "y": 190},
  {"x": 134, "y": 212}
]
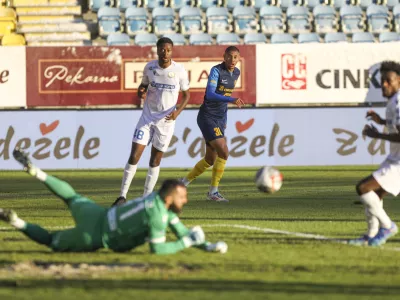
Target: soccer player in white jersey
[
  {"x": 386, "y": 179},
  {"x": 162, "y": 81}
]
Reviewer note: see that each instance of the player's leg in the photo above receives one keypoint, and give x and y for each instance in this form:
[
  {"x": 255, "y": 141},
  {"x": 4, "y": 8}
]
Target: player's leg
[
  {"x": 202, "y": 165},
  {"x": 140, "y": 139},
  {"x": 59, "y": 187},
  {"x": 221, "y": 148},
  {"x": 163, "y": 132}
]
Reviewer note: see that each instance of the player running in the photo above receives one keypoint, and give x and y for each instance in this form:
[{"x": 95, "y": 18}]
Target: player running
[
  {"x": 119, "y": 228},
  {"x": 161, "y": 82},
  {"x": 212, "y": 120},
  {"x": 386, "y": 179}
]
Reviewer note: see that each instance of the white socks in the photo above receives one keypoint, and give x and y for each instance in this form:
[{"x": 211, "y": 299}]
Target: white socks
[
  {"x": 36, "y": 172},
  {"x": 373, "y": 223},
  {"x": 185, "y": 181},
  {"x": 129, "y": 173},
  {"x": 18, "y": 223},
  {"x": 375, "y": 208},
  {"x": 151, "y": 180},
  {"x": 213, "y": 189}
]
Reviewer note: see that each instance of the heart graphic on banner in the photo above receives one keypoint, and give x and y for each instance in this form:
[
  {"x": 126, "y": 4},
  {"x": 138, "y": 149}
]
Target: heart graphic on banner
[
  {"x": 45, "y": 129},
  {"x": 240, "y": 127}
]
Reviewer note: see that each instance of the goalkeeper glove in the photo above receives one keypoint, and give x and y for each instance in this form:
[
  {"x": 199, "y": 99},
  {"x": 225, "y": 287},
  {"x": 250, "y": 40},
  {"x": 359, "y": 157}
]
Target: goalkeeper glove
[{"x": 195, "y": 237}]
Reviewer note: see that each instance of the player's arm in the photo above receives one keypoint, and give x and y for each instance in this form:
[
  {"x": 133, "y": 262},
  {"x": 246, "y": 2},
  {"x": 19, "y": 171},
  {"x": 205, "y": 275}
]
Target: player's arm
[
  {"x": 184, "y": 85},
  {"x": 142, "y": 89},
  {"x": 372, "y": 132},
  {"x": 372, "y": 115},
  {"x": 211, "y": 88}
]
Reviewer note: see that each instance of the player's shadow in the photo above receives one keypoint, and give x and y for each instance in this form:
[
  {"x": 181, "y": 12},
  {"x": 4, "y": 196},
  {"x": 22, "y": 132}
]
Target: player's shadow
[{"x": 205, "y": 285}]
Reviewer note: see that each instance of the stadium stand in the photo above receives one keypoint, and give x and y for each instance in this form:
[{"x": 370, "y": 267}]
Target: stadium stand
[{"x": 194, "y": 22}]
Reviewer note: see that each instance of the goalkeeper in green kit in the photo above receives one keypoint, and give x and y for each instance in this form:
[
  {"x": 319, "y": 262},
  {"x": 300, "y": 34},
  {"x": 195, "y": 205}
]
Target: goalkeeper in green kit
[{"x": 120, "y": 228}]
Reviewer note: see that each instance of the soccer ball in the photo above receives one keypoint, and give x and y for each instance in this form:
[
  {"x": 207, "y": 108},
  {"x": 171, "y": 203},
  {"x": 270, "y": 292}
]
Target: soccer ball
[{"x": 269, "y": 180}]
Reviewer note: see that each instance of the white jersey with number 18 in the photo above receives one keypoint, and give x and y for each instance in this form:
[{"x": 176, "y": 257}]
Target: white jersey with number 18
[{"x": 163, "y": 89}]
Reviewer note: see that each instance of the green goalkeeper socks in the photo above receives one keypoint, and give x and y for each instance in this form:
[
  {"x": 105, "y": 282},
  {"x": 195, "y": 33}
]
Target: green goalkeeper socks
[
  {"x": 60, "y": 188},
  {"x": 37, "y": 234}
]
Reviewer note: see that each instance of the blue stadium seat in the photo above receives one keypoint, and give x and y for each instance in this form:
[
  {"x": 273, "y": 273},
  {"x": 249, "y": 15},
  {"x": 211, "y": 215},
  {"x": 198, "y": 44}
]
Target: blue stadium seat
[
  {"x": 191, "y": 20},
  {"x": 391, "y": 4},
  {"x": 335, "y": 37},
  {"x": 378, "y": 19},
  {"x": 338, "y": 4},
  {"x": 205, "y": 4},
  {"x": 163, "y": 20},
  {"x": 218, "y": 20},
  {"x": 308, "y": 38},
  {"x": 271, "y": 20},
  {"x": 260, "y": 3},
  {"x": 151, "y": 4},
  {"x": 118, "y": 39},
  {"x": 177, "y": 38},
  {"x": 311, "y": 4},
  {"x": 298, "y": 19},
  {"x": 200, "y": 39},
  {"x": 365, "y": 3},
  {"x": 231, "y": 4},
  {"x": 282, "y": 38},
  {"x": 245, "y": 20},
  {"x": 124, "y": 4},
  {"x": 178, "y": 4},
  {"x": 396, "y": 17},
  {"x": 145, "y": 39},
  {"x": 227, "y": 39},
  {"x": 325, "y": 19},
  {"x": 95, "y": 5},
  {"x": 386, "y": 37},
  {"x": 285, "y": 4},
  {"x": 136, "y": 20},
  {"x": 363, "y": 37},
  {"x": 109, "y": 21},
  {"x": 254, "y": 38},
  {"x": 352, "y": 19}
]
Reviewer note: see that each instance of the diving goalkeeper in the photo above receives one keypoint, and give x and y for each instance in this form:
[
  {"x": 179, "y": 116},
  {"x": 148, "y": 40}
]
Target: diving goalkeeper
[{"x": 120, "y": 228}]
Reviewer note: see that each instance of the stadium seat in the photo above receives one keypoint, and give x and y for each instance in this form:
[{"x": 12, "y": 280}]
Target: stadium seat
[
  {"x": 109, "y": 21},
  {"x": 136, "y": 20},
  {"x": 396, "y": 17},
  {"x": 338, "y": 4},
  {"x": 254, "y": 38},
  {"x": 95, "y": 5},
  {"x": 123, "y": 5},
  {"x": 285, "y": 4},
  {"x": 178, "y": 4},
  {"x": 231, "y": 4},
  {"x": 282, "y": 38},
  {"x": 151, "y": 4},
  {"x": 7, "y": 20},
  {"x": 163, "y": 20},
  {"x": 386, "y": 37},
  {"x": 13, "y": 39},
  {"x": 365, "y": 3},
  {"x": 308, "y": 38},
  {"x": 260, "y": 3},
  {"x": 177, "y": 38},
  {"x": 352, "y": 19},
  {"x": 52, "y": 27},
  {"x": 145, "y": 39},
  {"x": 227, "y": 39},
  {"x": 271, "y": 19},
  {"x": 200, "y": 39},
  {"x": 335, "y": 37},
  {"x": 391, "y": 4},
  {"x": 298, "y": 20},
  {"x": 245, "y": 20},
  {"x": 363, "y": 37},
  {"x": 378, "y": 19},
  {"x": 311, "y": 4},
  {"x": 218, "y": 20},
  {"x": 325, "y": 19},
  {"x": 191, "y": 20},
  {"x": 205, "y": 4},
  {"x": 118, "y": 39}
]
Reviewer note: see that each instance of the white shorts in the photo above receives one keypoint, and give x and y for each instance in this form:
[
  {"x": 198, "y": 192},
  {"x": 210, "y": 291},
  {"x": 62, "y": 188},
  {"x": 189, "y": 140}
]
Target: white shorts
[
  {"x": 388, "y": 176},
  {"x": 159, "y": 134}
]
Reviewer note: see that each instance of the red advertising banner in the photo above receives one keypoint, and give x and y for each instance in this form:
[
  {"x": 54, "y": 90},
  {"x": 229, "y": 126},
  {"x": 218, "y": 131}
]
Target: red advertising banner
[{"x": 91, "y": 76}]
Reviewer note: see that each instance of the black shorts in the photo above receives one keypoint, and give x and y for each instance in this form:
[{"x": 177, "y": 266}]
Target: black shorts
[{"x": 211, "y": 128}]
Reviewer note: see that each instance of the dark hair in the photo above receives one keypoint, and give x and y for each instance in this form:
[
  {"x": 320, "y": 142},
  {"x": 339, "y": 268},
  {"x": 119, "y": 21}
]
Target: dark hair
[
  {"x": 231, "y": 48},
  {"x": 168, "y": 186},
  {"x": 164, "y": 40},
  {"x": 390, "y": 66}
]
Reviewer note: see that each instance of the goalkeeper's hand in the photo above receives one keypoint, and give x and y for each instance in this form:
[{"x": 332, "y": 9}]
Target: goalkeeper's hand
[
  {"x": 195, "y": 237},
  {"x": 220, "y": 247}
]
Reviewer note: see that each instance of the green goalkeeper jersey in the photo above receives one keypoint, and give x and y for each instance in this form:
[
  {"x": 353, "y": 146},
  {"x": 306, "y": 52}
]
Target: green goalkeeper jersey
[{"x": 141, "y": 220}]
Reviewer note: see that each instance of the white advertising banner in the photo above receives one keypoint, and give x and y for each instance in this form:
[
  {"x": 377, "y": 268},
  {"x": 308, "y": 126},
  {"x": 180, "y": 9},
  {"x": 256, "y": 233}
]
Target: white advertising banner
[
  {"x": 256, "y": 137},
  {"x": 321, "y": 73},
  {"x": 12, "y": 77}
]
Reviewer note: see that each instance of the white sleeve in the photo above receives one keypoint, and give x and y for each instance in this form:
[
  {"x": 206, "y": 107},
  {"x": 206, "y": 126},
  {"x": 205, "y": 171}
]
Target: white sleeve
[
  {"x": 184, "y": 79},
  {"x": 145, "y": 78}
]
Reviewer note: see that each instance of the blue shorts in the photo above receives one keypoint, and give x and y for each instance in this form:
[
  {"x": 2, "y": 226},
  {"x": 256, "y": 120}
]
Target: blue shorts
[{"x": 211, "y": 129}]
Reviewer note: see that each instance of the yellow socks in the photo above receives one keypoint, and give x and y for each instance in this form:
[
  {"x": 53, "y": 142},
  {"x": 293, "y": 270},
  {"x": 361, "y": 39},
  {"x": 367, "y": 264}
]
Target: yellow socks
[
  {"x": 198, "y": 169},
  {"x": 217, "y": 172}
]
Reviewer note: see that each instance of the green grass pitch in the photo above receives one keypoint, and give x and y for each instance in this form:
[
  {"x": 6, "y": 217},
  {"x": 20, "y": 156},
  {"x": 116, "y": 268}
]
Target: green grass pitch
[{"x": 259, "y": 264}]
